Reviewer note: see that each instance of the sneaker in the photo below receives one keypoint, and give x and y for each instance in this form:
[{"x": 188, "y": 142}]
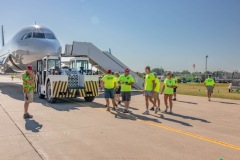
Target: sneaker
[
  {"x": 174, "y": 99},
  {"x": 114, "y": 108},
  {"x": 108, "y": 109},
  {"x": 152, "y": 109},
  {"x": 125, "y": 111},
  {"x": 171, "y": 112},
  {"x": 27, "y": 115},
  {"x": 156, "y": 110},
  {"x": 146, "y": 112},
  {"x": 166, "y": 110}
]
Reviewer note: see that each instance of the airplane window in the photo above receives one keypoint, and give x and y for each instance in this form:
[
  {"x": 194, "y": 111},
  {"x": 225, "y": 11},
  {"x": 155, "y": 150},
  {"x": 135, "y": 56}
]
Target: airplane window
[
  {"x": 38, "y": 35},
  {"x": 27, "y": 35},
  {"x": 50, "y": 36}
]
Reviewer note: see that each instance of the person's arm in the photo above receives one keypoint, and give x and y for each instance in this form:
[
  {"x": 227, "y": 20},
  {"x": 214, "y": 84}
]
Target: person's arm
[
  {"x": 102, "y": 83},
  {"x": 144, "y": 85},
  {"x": 163, "y": 89},
  {"x": 153, "y": 82},
  {"x": 132, "y": 82}
]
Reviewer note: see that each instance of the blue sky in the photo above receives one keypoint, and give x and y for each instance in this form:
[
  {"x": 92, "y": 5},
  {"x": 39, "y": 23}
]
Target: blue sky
[{"x": 173, "y": 34}]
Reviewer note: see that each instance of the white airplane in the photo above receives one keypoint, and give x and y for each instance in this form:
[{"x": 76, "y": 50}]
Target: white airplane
[{"x": 26, "y": 47}]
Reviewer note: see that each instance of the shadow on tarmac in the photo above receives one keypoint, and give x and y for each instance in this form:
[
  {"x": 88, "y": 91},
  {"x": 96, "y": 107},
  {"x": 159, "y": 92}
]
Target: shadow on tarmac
[
  {"x": 32, "y": 125},
  {"x": 15, "y": 91},
  {"x": 120, "y": 115},
  {"x": 189, "y": 117},
  {"x": 188, "y": 102},
  {"x": 173, "y": 120},
  {"x": 226, "y": 102}
]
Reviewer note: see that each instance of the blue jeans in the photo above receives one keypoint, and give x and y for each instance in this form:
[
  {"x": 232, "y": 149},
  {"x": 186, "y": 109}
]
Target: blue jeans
[{"x": 109, "y": 93}]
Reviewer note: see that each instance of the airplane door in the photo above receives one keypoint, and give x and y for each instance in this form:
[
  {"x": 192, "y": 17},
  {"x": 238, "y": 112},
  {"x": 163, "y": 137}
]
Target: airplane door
[
  {"x": 39, "y": 71},
  {"x": 39, "y": 66}
]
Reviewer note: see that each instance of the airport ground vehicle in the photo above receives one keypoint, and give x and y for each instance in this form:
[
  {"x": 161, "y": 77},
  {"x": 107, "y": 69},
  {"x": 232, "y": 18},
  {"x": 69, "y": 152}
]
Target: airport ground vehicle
[
  {"x": 54, "y": 82},
  {"x": 234, "y": 86}
]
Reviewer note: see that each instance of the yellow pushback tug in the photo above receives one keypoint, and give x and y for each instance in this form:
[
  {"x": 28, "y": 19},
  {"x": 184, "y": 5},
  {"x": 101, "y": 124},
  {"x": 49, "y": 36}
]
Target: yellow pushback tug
[{"x": 54, "y": 82}]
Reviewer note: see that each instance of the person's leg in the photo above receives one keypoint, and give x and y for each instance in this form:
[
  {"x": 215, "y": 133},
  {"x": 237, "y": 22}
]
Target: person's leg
[
  {"x": 209, "y": 93},
  {"x": 116, "y": 97},
  {"x": 112, "y": 96},
  {"x": 210, "y": 96},
  {"x": 107, "y": 96},
  {"x": 147, "y": 105},
  {"x": 28, "y": 97},
  {"x": 146, "y": 101},
  {"x": 170, "y": 103},
  {"x": 127, "y": 100},
  {"x": 155, "y": 101},
  {"x": 152, "y": 101},
  {"x": 165, "y": 101},
  {"x": 127, "y": 104},
  {"x": 107, "y": 102},
  {"x": 158, "y": 101},
  {"x": 114, "y": 104},
  {"x": 26, "y": 105},
  {"x": 174, "y": 94}
]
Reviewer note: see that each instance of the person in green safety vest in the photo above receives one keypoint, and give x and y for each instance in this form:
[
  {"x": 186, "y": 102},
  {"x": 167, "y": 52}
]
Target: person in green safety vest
[
  {"x": 167, "y": 89},
  {"x": 210, "y": 84}
]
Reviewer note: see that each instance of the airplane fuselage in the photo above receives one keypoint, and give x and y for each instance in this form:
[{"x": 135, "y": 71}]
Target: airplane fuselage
[{"x": 26, "y": 47}]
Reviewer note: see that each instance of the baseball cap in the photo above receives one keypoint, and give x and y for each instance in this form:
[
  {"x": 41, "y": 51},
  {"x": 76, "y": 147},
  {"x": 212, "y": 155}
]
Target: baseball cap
[
  {"x": 29, "y": 67},
  {"x": 127, "y": 70},
  {"x": 109, "y": 71}
]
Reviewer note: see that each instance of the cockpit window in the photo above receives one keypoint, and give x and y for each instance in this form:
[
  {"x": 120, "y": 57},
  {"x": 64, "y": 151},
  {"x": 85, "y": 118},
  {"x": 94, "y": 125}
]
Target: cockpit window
[
  {"x": 38, "y": 35},
  {"x": 50, "y": 36},
  {"x": 27, "y": 35}
]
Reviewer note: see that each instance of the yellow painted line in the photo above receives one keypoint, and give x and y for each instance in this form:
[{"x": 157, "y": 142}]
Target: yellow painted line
[{"x": 228, "y": 145}]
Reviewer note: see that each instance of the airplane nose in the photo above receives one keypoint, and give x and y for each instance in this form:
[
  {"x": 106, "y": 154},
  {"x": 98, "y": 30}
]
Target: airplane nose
[{"x": 47, "y": 46}]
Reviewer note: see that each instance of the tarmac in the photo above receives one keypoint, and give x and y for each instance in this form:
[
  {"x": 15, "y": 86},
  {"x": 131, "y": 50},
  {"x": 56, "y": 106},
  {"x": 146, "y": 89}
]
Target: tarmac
[{"x": 73, "y": 129}]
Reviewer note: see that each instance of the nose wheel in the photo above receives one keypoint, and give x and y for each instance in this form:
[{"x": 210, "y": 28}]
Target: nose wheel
[{"x": 49, "y": 95}]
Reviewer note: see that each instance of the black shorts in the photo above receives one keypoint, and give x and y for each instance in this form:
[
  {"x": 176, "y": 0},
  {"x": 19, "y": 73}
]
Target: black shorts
[
  {"x": 174, "y": 90},
  {"x": 118, "y": 90},
  {"x": 126, "y": 96}
]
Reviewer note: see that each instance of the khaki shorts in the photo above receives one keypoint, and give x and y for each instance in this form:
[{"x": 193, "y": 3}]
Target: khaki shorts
[
  {"x": 209, "y": 89},
  {"x": 28, "y": 97},
  {"x": 147, "y": 93},
  {"x": 156, "y": 95}
]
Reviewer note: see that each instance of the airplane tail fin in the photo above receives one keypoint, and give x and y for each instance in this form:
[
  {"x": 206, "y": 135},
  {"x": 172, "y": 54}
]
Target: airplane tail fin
[{"x": 3, "y": 43}]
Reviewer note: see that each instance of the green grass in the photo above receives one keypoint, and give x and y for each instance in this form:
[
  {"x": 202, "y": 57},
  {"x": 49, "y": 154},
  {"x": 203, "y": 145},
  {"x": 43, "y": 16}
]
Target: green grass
[{"x": 196, "y": 89}]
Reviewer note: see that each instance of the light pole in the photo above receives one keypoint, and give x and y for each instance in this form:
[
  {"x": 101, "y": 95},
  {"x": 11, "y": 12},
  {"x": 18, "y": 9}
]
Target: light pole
[
  {"x": 206, "y": 63},
  {"x": 206, "y": 67}
]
